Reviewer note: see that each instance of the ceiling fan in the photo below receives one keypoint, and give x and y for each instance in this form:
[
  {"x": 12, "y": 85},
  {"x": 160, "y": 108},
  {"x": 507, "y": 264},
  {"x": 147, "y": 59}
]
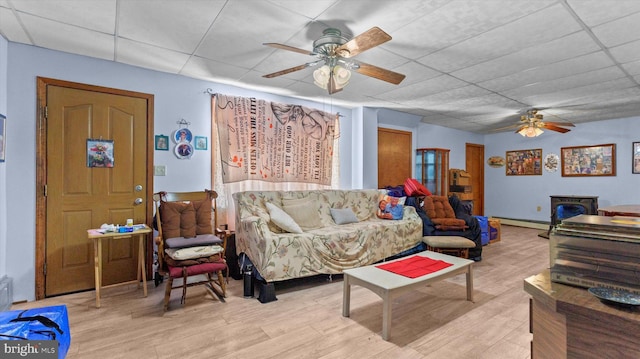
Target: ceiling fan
[
  {"x": 531, "y": 124},
  {"x": 335, "y": 52}
]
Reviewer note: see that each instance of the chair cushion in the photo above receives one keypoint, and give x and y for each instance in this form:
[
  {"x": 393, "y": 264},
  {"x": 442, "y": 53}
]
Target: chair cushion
[
  {"x": 203, "y": 216},
  {"x": 198, "y": 240},
  {"x": 203, "y": 268},
  {"x": 178, "y": 219},
  {"x": 193, "y": 252},
  {"x": 442, "y": 215},
  {"x": 448, "y": 242}
]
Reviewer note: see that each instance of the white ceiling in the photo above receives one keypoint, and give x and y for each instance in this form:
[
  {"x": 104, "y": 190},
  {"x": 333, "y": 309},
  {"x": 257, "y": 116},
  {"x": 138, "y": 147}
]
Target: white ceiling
[{"x": 470, "y": 64}]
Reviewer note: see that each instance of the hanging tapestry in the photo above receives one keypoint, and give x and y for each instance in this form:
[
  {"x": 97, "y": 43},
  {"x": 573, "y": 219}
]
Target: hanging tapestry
[{"x": 274, "y": 142}]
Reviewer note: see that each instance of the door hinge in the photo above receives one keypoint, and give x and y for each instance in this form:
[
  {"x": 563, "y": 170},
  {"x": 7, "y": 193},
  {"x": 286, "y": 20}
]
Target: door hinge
[
  {"x": 44, "y": 192},
  {"x": 44, "y": 268},
  {"x": 46, "y": 112}
]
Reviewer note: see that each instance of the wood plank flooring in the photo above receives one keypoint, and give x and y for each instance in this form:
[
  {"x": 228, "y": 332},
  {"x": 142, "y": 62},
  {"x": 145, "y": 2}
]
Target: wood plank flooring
[{"x": 306, "y": 321}]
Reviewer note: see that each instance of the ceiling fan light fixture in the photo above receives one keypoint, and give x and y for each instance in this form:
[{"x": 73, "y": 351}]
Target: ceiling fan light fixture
[
  {"x": 322, "y": 75},
  {"x": 530, "y": 131}
]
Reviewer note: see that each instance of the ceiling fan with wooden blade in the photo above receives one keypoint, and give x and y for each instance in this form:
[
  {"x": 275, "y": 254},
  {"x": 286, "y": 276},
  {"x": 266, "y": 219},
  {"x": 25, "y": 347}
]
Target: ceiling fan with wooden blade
[
  {"x": 532, "y": 124},
  {"x": 335, "y": 52}
]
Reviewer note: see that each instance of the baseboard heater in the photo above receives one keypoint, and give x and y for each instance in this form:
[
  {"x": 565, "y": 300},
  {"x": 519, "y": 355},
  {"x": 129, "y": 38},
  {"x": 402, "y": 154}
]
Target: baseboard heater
[{"x": 523, "y": 223}]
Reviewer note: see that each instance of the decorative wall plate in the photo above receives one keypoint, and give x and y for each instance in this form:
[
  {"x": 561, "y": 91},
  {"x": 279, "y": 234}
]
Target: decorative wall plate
[
  {"x": 184, "y": 150},
  {"x": 495, "y": 161},
  {"x": 551, "y": 162},
  {"x": 182, "y": 135}
]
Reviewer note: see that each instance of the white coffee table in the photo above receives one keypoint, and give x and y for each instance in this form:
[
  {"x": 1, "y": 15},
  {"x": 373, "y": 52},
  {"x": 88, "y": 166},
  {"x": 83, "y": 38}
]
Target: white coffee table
[{"x": 389, "y": 285}]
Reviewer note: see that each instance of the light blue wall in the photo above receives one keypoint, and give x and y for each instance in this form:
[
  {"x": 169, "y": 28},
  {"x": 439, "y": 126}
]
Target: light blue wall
[
  {"x": 519, "y": 196},
  {"x": 176, "y": 98},
  {"x": 3, "y": 189}
]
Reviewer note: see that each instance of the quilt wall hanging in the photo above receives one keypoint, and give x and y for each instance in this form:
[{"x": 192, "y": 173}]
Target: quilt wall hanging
[{"x": 274, "y": 142}]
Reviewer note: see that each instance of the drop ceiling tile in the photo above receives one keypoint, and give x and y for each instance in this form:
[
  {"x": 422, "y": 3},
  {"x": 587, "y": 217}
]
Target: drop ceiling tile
[
  {"x": 69, "y": 38},
  {"x": 566, "y": 83},
  {"x": 174, "y": 25},
  {"x": 93, "y": 15},
  {"x": 425, "y": 88},
  {"x": 633, "y": 68},
  {"x": 199, "y": 67},
  {"x": 619, "y": 31},
  {"x": 567, "y": 47},
  {"x": 550, "y": 23},
  {"x": 454, "y": 22},
  {"x": 153, "y": 57},
  {"x": 596, "y": 12},
  {"x": 11, "y": 28},
  {"x": 550, "y": 98},
  {"x": 226, "y": 43},
  {"x": 549, "y": 72},
  {"x": 628, "y": 52}
]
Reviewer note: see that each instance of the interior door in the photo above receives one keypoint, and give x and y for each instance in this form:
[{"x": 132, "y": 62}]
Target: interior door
[
  {"x": 394, "y": 157},
  {"x": 474, "y": 155},
  {"x": 83, "y": 194}
]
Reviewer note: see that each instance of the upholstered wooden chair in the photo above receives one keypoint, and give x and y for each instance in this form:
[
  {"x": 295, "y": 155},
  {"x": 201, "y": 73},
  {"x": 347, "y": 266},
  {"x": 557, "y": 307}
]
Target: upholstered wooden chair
[{"x": 190, "y": 242}]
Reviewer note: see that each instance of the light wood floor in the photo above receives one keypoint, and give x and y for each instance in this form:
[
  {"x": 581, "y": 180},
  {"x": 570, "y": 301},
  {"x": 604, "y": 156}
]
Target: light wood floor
[{"x": 306, "y": 320}]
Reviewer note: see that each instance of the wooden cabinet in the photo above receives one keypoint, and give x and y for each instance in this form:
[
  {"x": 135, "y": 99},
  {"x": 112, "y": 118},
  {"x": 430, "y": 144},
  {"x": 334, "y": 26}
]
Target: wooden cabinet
[
  {"x": 568, "y": 322},
  {"x": 432, "y": 169}
]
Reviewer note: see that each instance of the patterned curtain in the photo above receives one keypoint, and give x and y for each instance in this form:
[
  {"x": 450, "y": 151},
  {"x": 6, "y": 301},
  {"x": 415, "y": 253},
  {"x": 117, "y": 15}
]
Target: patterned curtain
[{"x": 261, "y": 145}]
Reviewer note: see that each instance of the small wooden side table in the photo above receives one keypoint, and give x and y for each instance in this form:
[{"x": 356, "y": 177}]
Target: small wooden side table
[{"x": 97, "y": 238}]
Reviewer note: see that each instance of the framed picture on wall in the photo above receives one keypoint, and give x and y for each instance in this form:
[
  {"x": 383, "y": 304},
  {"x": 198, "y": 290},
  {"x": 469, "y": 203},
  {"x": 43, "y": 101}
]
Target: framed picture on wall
[
  {"x": 201, "y": 143},
  {"x": 524, "y": 162},
  {"x": 636, "y": 158},
  {"x": 598, "y": 160},
  {"x": 162, "y": 143}
]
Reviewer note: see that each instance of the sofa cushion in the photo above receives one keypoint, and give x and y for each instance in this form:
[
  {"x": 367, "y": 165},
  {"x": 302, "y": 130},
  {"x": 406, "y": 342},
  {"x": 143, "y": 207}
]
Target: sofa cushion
[
  {"x": 343, "y": 215},
  {"x": 282, "y": 219},
  {"x": 304, "y": 211},
  {"x": 178, "y": 219}
]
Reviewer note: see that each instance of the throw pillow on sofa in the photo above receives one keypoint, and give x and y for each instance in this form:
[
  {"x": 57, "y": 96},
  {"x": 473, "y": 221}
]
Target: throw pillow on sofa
[
  {"x": 390, "y": 207},
  {"x": 305, "y": 211},
  {"x": 282, "y": 219},
  {"x": 343, "y": 215}
]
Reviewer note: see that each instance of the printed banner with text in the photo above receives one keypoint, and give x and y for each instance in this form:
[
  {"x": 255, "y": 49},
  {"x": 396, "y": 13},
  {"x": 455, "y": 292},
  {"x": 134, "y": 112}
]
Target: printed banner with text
[{"x": 274, "y": 142}]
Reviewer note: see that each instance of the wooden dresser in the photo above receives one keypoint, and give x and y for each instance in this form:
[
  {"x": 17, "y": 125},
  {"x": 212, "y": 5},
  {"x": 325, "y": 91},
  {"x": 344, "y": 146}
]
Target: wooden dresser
[{"x": 569, "y": 322}]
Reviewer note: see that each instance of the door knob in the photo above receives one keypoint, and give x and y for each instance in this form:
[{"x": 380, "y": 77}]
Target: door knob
[
  {"x": 138, "y": 201},
  {"x": 138, "y": 188}
]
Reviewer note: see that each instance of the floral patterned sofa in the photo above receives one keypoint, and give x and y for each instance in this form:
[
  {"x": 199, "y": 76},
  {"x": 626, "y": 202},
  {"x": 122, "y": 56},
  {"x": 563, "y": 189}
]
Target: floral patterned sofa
[{"x": 277, "y": 255}]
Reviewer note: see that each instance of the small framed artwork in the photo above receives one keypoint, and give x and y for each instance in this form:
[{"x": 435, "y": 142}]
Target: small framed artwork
[
  {"x": 182, "y": 135},
  {"x": 524, "y": 162},
  {"x": 598, "y": 160},
  {"x": 100, "y": 153},
  {"x": 162, "y": 143},
  {"x": 201, "y": 143},
  {"x": 184, "y": 150},
  {"x": 635, "y": 155},
  {"x": 3, "y": 131}
]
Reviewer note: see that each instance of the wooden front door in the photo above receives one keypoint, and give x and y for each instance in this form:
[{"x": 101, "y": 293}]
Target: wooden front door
[
  {"x": 474, "y": 158},
  {"x": 394, "y": 157},
  {"x": 83, "y": 192}
]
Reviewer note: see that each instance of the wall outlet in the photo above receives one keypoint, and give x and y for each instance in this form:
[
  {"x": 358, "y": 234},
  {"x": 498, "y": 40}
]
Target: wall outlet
[
  {"x": 160, "y": 170},
  {"x": 538, "y": 208}
]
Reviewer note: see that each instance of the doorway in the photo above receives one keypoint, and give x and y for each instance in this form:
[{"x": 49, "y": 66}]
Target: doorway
[
  {"x": 394, "y": 157},
  {"x": 474, "y": 158},
  {"x": 75, "y": 194}
]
